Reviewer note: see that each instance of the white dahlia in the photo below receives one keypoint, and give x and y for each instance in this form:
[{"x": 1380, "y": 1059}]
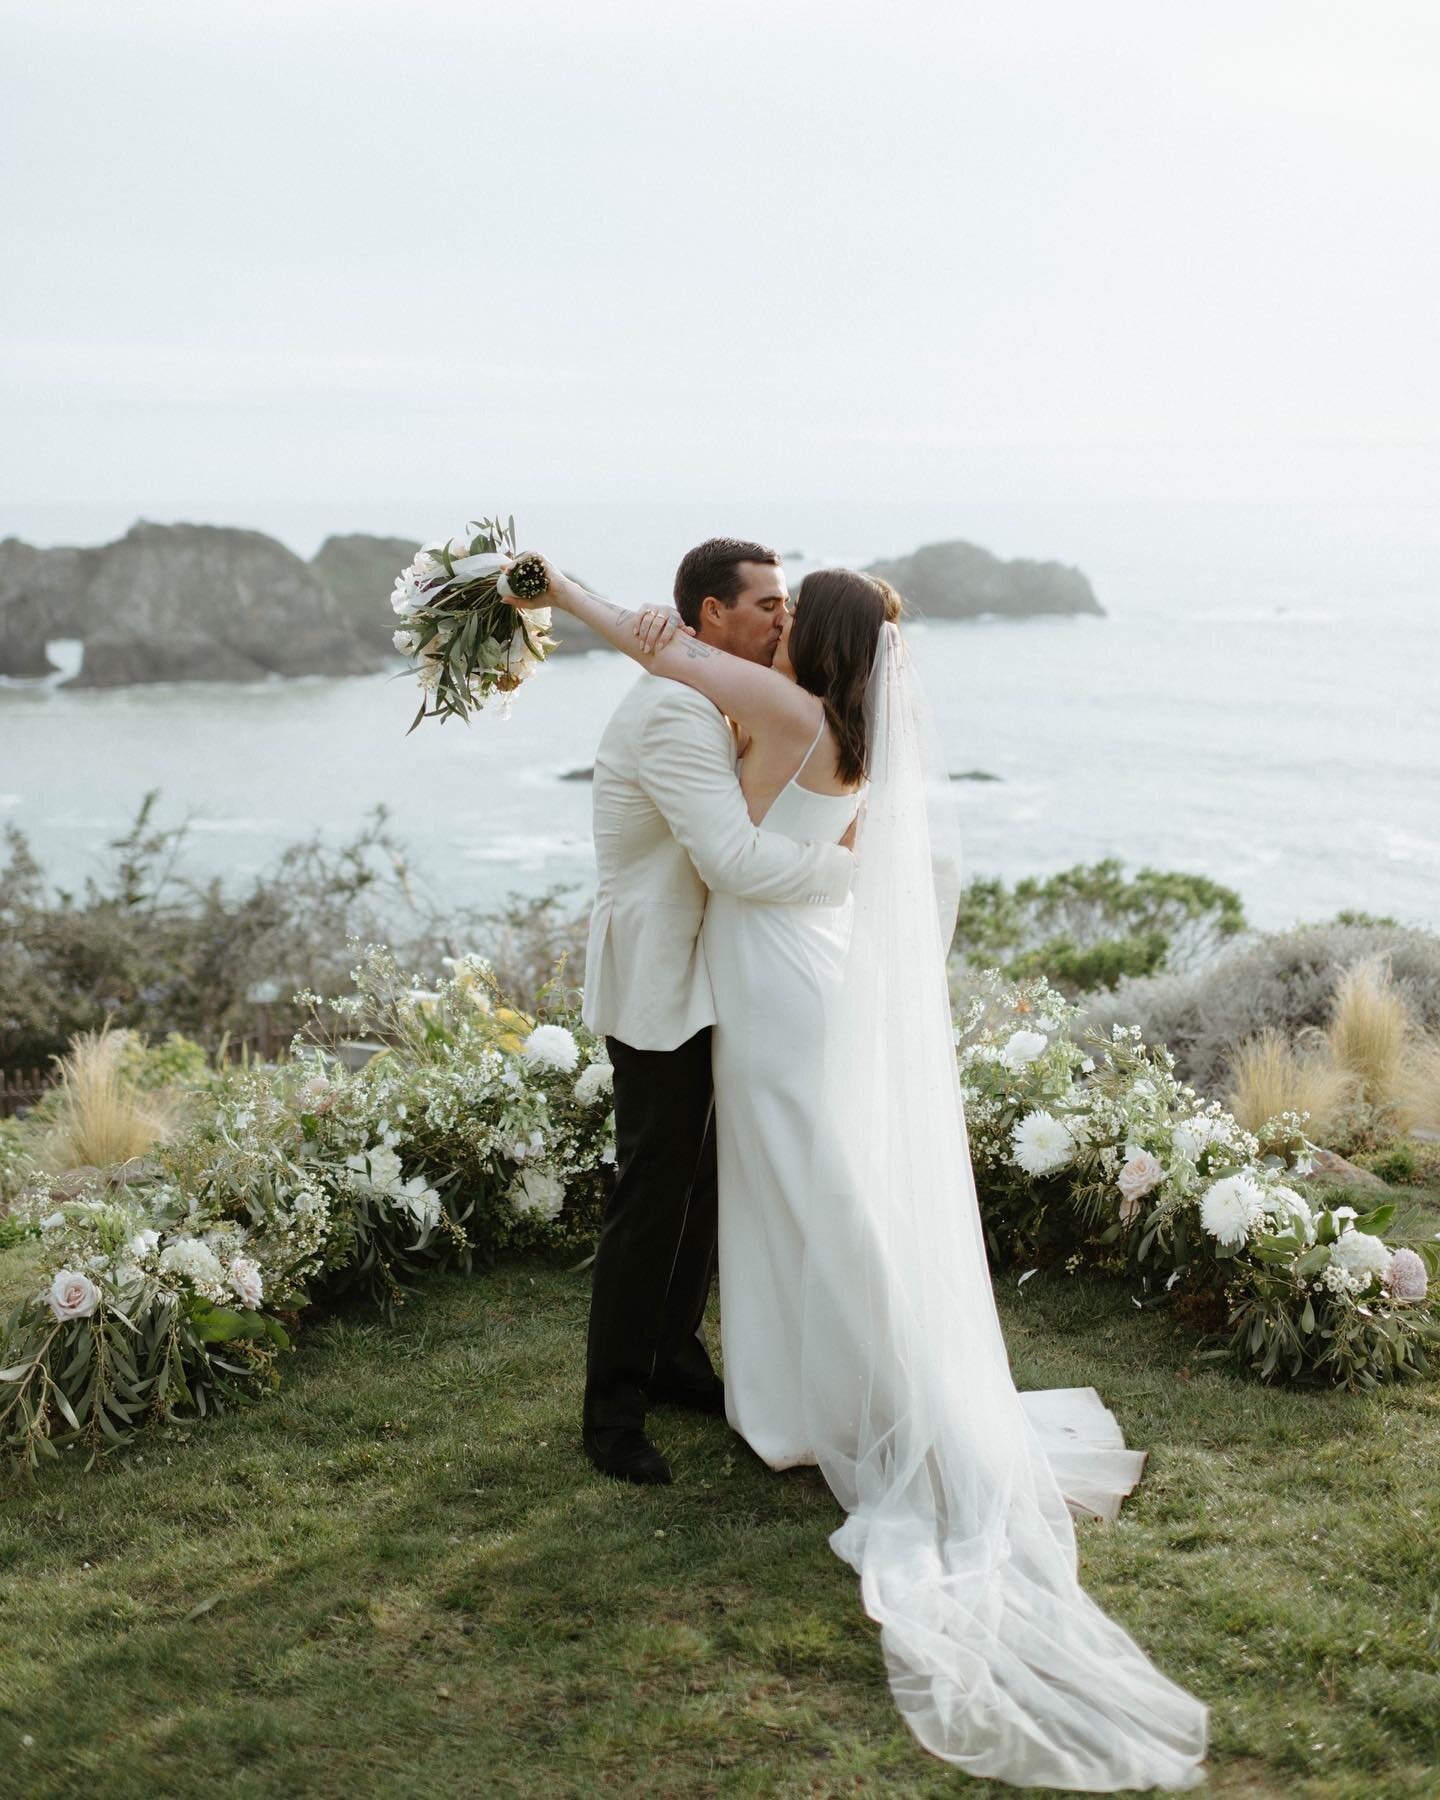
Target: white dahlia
[
  {"x": 552, "y": 1047},
  {"x": 1041, "y": 1143},
  {"x": 1229, "y": 1208},
  {"x": 1291, "y": 1209}
]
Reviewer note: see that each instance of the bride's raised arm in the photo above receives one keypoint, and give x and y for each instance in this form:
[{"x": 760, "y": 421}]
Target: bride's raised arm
[{"x": 749, "y": 692}]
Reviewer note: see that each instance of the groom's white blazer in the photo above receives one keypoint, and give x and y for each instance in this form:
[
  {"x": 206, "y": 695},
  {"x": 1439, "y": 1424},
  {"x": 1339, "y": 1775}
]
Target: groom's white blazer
[{"x": 670, "y": 824}]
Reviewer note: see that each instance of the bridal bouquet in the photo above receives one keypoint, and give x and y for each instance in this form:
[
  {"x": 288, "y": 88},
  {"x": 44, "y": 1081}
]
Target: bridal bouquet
[{"x": 466, "y": 640}]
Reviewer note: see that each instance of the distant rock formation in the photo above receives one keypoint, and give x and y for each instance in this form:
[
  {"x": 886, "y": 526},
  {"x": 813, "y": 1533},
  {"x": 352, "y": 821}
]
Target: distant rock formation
[
  {"x": 175, "y": 603},
  {"x": 211, "y": 603},
  {"x": 360, "y": 571},
  {"x": 956, "y": 580}
]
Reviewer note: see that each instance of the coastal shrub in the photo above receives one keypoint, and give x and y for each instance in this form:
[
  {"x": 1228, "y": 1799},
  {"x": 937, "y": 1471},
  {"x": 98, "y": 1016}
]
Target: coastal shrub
[
  {"x": 1091, "y": 926},
  {"x": 144, "y": 946},
  {"x": 1284, "y": 981}
]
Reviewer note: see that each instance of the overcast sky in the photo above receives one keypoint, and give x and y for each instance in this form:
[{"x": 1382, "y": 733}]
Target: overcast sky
[{"x": 588, "y": 251}]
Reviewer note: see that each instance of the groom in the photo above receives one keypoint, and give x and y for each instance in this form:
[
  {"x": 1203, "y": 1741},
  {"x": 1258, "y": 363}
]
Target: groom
[{"x": 670, "y": 824}]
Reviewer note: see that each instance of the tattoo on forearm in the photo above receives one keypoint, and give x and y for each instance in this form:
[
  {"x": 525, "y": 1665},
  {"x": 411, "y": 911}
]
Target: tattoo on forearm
[{"x": 692, "y": 649}]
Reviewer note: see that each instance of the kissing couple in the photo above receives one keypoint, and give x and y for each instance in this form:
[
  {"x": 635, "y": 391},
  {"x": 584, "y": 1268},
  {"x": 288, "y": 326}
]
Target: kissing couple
[{"x": 778, "y": 884}]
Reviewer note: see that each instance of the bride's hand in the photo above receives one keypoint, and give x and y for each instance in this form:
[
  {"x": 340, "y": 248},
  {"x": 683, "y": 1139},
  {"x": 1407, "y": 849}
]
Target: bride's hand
[
  {"x": 656, "y": 626},
  {"x": 558, "y": 585}
]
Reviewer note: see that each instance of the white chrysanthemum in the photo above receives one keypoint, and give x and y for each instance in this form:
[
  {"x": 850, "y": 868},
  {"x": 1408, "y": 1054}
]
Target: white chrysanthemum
[
  {"x": 1290, "y": 1209},
  {"x": 1041, "y": 1143},
  {"x": 197, "y": 1262},
  {"x": 596, "y": 1081},
  {"x": 246, "y": 1281},
  {"x": 538, "y": 1191},
  {"x": 72, "y": 1295},
  {"x": 552, "y": 1047},
  {"x": 1360, "y": 1253},
  {"x": 1229, "y": 1208},
  {"x": 1022, "y": 1047}
]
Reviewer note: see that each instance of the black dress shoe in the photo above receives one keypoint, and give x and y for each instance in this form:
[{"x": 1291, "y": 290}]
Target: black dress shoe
[
  {"x": 699, "y": 1399},
  {"x": 628, "y": 1456}
]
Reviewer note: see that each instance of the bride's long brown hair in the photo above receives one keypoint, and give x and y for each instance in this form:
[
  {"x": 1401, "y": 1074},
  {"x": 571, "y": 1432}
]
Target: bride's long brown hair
[{"x": 838, "y": 615}]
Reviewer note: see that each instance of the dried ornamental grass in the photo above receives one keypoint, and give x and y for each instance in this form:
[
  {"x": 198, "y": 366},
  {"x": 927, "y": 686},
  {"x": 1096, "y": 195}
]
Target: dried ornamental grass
[
  {"x": 100, "y": 1116},
  {"x": 1269, "y": 1075}
]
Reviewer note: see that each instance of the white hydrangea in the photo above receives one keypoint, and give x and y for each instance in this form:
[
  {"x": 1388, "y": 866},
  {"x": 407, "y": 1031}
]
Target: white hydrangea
[
  {"x": 1022, "y": 1047},
  {"x": 1041, "y": 1143},
  {"x": 1229, "y": 1208},
  {"x": 197, "y": 1262},
  {"x": 597, "y": 1080},
  {"x": 1360, "y": 1253},
  {"x": 537, "y": 1191},
  {"x": 1289, "y": 1209},
  {"x": 552, "y": 1047}
]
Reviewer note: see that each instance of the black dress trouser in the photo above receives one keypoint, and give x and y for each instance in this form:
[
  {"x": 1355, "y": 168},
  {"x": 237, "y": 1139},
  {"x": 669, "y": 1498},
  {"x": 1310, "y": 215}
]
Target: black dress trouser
[{"x": 657, "y": 1251}]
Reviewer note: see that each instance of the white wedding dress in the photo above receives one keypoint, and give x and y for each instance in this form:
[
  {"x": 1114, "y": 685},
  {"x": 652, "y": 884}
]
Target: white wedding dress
[{"x": 858, "y": 1323}]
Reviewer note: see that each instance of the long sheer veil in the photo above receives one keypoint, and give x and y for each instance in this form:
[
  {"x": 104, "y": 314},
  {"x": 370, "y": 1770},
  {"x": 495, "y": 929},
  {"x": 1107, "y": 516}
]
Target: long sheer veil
[{"x": 959, "y": 1526}]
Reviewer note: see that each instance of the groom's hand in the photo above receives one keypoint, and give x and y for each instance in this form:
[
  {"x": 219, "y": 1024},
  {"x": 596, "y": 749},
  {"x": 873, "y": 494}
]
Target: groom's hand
[{"x": 656, "y": 626}]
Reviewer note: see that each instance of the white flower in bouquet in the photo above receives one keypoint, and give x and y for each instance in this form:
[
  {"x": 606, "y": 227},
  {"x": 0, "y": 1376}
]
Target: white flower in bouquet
[
  {"x": 1041, "y": 1143},
  {"x": 143, "y": 1245},
  {"x": 456, "y": 595},
  {"x": 539, "y": 1192},
  {"x": 551, "y": 1047},
  {"x": 247, "y": 1281},
  {"x": 1407, "y": 1277},
  {"x": 1022, "y": 1047},
  {"x": 596, "y": 1082},
  {"x": 195, "y": 1261},
  {"x": 1140, "y": 1176},
  {"x": 406, "y": 642},
  {"x": 1360, "y": 1253},
  {"x": 1229, "y": 1208},
  {"x": 72, "y": 1295}
]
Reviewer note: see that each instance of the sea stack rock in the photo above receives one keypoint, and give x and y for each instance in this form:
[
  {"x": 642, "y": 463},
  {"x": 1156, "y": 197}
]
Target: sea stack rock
[{"x": 956, "y": 580}]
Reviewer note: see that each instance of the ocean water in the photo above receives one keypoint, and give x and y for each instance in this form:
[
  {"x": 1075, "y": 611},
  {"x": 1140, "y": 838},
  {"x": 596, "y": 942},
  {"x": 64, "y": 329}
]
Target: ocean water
[{"x": 1266, "y": 715}]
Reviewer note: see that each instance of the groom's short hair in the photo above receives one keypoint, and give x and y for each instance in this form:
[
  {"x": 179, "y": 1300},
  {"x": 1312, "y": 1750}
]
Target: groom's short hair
[{"x": 714, "y": 568}]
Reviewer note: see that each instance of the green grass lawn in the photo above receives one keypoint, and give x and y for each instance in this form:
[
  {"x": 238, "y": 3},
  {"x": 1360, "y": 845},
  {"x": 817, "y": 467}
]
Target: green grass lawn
[{"x": 400, "y": 1577}]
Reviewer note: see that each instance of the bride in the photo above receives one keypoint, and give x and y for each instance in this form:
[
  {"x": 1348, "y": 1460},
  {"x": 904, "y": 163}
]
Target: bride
[{"x": 858, "y": 1322}]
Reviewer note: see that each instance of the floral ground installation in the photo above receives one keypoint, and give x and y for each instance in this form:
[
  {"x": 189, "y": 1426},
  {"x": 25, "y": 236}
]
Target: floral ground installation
[{"x": 174, "y": 1288}]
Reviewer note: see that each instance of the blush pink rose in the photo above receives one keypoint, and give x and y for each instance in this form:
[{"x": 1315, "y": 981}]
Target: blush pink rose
[
  {"x": 72, "y": 1296},
  {"x": 1140, "y": 1175}
]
